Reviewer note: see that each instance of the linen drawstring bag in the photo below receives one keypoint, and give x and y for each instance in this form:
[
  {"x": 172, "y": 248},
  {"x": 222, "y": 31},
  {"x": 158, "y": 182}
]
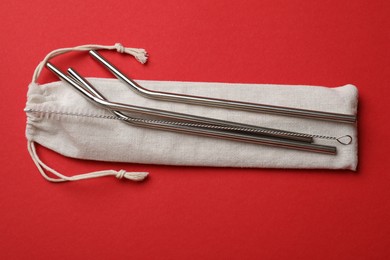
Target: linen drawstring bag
[{"x": 60, "y": 119}]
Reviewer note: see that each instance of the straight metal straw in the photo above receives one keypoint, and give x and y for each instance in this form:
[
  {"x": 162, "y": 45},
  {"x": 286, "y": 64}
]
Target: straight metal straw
[
  {"x": 93, "y": 95},
  {"x": 214, "y": 102}
]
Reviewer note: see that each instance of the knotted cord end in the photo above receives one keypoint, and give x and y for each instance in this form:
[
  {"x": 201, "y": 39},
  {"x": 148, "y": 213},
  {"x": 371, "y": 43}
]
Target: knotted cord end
[
  {"x": 133, "y": 176},
  {"x": 139, "y": 54}
]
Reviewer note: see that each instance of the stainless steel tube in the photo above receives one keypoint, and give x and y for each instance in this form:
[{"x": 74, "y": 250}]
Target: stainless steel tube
[{"x": 189, "y": 99}]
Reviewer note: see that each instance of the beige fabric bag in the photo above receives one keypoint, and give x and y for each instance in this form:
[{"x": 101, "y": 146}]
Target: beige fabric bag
[{"x": 61, "y": 119}]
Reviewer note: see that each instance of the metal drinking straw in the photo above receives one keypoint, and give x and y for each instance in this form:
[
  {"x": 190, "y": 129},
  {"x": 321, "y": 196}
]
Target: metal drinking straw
[{"x": 214, "y": 102}]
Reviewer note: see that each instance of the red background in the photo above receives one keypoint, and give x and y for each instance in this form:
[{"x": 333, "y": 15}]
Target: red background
[{"x": 189, "y": 212}]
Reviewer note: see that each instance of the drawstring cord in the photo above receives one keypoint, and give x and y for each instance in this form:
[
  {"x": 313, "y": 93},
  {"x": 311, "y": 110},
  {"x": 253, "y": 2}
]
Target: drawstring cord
[
  {"x": 134, "y": 176},
  {"x": 140, "y": 55}
]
